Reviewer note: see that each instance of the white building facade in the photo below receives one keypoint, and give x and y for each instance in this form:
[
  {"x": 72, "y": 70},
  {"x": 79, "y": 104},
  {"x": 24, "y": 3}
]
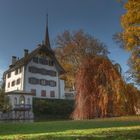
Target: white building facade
[{"x": 36, "y": 75}]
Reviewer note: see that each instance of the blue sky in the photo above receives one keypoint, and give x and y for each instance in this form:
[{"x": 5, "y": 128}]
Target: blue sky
[{"x": 22, "y": 24}]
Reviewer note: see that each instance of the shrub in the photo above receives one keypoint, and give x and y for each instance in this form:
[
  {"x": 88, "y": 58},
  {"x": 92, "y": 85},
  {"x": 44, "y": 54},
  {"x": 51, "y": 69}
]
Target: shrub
[{"x": 52, "y": 108}]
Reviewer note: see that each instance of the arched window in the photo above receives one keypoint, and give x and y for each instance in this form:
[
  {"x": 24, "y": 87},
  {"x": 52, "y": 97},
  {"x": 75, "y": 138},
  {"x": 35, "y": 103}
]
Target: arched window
[
  {"x": 22, "y": 100},
  {"x": 28, "y": 101},
  {"x": 15, "y": 100}
]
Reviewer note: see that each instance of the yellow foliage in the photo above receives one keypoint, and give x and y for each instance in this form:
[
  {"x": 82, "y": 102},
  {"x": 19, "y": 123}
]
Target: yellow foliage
[
  {"x": 130, "y": 37},
  {"x": 73, "y": 48},
  {"x": 130, "y": 22}
]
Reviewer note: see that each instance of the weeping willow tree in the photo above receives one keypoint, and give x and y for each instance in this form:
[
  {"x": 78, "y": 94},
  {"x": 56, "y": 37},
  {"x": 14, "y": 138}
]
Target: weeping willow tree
[{"x": 100, "y": 90}]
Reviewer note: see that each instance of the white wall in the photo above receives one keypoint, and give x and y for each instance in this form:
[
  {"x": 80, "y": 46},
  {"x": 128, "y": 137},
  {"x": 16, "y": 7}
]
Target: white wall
[
  {"x": 14, "y": 77},
  {"x": 38, "y": 87},
  {"x": 62, "y": 91},
  {"x": 25, "y": 86}
]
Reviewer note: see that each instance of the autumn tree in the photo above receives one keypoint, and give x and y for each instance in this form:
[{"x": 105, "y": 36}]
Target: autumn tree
[
  {"x": 73, "y": 48},
  {"x": 132, "y": 102},
  {"x": 130, "y": 36},
  {"x": 100, "y": 90},
  {"x": 130, "y": 22}
]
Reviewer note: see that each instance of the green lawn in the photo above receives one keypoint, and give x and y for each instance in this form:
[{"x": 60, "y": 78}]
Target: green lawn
[{"x": 122, "y": 128}]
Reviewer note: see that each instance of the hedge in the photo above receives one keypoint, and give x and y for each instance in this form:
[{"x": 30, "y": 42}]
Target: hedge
[{"x": 52, "y": 108}]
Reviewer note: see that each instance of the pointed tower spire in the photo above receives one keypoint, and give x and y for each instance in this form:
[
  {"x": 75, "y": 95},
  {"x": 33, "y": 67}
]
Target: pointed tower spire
[{"x": 47, "y": 41}]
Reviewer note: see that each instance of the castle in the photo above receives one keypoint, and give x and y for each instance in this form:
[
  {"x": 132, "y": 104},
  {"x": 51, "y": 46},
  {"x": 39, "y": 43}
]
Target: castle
[{"x": 36, "y": 75}]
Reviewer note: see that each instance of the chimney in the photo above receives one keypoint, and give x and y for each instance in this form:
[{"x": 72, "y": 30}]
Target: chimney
[
  {"x": 14, "y": 59},
  {"x": 25, "y": 52}
]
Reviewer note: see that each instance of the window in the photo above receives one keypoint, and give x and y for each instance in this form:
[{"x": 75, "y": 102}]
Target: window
[
  {"x": 52, "y": 94},
  {"x": 13, "y": 83},
  {"x": 43, "y": 93},
  {"x": 18, "y": 81},
  {"x": 15, "y": 100},
  {"x": 33, "y": 80},
  {"x": 35, "y": 59},
  {"x": 9, "y": 75},
  {"x": 52, "y": 83},
  {"x": 16, "y": 71},
  {"x": 52, "y": 73},
  {"x": 43, "y": 82},
  {"x": 22, "y": 100},
  {"x": 8, "y": 84},
  {"x": 46, "y": 62},
  {"x": 28, "y": 101},
  {"x": 42, "y": 71},
  {"x": 33, "y": 91},
  {"x": 51, "y": 63},
  {"x": 33, "y": 69},
  {"x": 43, "y": 61}
]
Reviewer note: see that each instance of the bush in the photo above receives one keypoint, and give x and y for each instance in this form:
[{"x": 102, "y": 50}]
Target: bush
[{"x": 52, "y": 108}]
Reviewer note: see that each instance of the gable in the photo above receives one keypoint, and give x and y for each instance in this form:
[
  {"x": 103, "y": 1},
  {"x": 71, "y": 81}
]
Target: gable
[{"x": 41, "y": 51}]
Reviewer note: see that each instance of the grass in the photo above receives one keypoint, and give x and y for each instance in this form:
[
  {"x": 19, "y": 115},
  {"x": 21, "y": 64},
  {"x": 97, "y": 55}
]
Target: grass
[{"x": 121, "y": 128}]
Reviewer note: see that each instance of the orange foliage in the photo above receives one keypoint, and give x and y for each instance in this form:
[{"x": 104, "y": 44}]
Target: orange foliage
[
  {"x": 99, "y": 90},
  {"x": 132, "y": 98}
]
